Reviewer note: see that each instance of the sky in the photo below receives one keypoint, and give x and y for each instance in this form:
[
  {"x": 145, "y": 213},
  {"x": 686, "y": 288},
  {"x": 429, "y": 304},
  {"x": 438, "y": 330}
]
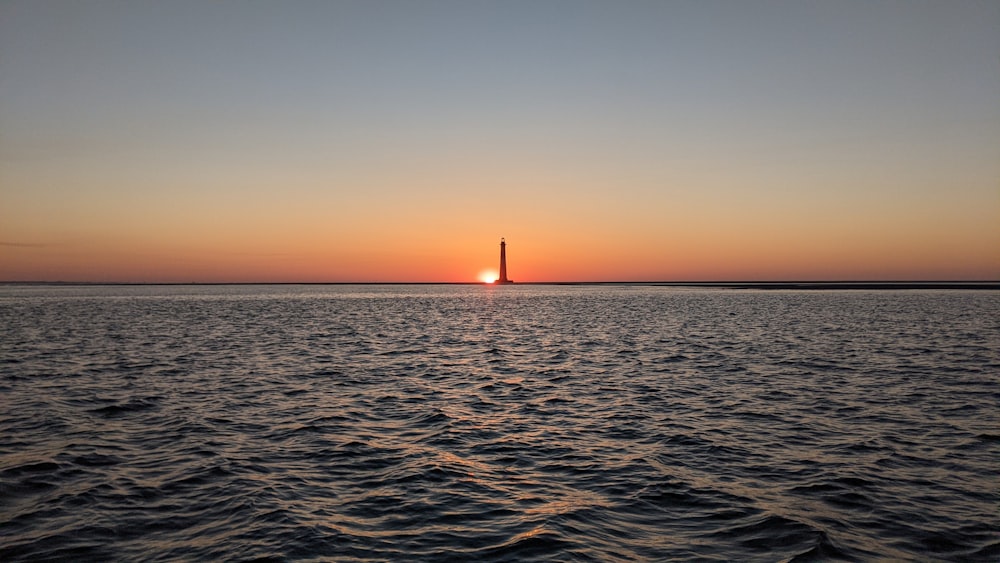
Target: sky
[{"x": 379, "y": 140}]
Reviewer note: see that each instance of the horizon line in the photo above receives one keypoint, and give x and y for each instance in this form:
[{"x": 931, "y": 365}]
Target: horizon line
[{"x": 735, "y": 284}]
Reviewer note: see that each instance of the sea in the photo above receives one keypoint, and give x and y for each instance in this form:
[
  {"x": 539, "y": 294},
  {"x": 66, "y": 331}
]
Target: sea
[{"x": 498, "y": 423}]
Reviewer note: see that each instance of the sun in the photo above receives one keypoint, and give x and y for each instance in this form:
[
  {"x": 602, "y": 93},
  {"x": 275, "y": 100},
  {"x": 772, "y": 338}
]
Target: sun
[{"x": 488, "y": 276}]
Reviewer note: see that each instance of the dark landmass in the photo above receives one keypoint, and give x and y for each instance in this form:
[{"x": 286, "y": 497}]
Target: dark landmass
[{"x": 843, "y": 285}]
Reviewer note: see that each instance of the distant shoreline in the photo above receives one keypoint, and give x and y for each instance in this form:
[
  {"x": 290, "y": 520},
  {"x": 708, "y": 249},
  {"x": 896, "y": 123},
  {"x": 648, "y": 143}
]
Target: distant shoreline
[{"x": 786, "y": 285}]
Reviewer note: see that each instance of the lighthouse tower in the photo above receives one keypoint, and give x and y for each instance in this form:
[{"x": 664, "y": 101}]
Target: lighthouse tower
[{"x": 503, "y": 263}]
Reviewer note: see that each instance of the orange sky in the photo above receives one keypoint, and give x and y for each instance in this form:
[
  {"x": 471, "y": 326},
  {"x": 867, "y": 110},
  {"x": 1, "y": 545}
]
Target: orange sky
[
  {"x": 455, "y": 249},
  {"x": 344, "y": 143}
]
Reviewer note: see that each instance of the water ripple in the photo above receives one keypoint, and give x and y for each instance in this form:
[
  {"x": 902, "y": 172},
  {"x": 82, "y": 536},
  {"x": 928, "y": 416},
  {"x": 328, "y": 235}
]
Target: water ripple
[{"x": 373, "y": 423}]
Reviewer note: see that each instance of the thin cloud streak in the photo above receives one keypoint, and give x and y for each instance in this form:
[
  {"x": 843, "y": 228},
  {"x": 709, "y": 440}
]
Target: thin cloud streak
[{"x": 24, "y": 244}]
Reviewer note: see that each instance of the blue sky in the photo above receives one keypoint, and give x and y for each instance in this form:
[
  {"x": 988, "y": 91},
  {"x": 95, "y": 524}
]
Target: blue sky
[{"x": 670, "y": 123}]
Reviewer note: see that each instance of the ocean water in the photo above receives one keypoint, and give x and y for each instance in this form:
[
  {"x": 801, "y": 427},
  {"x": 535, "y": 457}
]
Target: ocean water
[{"x": 518, "y": 423}]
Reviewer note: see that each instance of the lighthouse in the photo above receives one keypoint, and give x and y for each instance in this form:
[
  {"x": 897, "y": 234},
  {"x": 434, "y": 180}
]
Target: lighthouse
[{"x": 503, "y": 263}]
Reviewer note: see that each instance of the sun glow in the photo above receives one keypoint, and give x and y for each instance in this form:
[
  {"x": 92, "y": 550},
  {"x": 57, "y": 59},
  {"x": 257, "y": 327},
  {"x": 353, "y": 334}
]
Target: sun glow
[{"x": 488, "y": 276}]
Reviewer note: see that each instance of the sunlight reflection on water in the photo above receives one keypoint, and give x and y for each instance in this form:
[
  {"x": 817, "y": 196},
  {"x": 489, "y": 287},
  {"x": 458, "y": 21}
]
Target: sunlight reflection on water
[{"x": 498, "y": 423}]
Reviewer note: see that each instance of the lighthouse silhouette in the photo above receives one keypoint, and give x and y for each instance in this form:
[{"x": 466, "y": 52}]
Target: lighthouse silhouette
[{"x": 503, "y": 263}]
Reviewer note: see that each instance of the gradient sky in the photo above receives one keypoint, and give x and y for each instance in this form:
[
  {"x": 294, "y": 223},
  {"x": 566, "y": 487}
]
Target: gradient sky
[{"x": 399, "y": 140}]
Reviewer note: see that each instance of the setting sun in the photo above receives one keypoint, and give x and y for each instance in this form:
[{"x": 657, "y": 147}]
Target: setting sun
[{"x": 488, "y": 276}]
